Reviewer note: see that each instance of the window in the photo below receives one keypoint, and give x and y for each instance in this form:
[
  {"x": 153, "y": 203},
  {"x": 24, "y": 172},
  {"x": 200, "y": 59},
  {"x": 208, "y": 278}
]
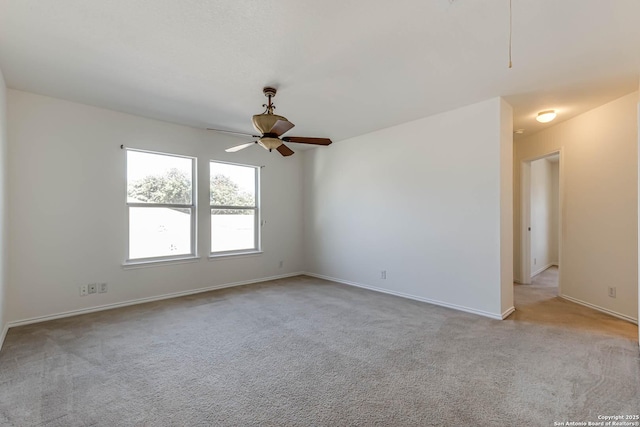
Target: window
[
  {"x": 234, "y": 198},
  {"x": 161, "y": 206}
]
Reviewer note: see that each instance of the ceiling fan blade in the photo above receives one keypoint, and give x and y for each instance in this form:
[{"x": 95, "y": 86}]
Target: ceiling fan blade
[
  {"x": 284, "y": 150},
  {"x": 238, "y": 133},
  {"x": 304, "y": 140},
  {"x": 239, "y": 147},
  {"x": 281, "y": 126}
]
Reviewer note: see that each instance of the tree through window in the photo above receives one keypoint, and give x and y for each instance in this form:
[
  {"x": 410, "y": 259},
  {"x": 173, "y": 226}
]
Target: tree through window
[
  {"x": 234, "y": 194},
  {"x": 161, "y": 205}
]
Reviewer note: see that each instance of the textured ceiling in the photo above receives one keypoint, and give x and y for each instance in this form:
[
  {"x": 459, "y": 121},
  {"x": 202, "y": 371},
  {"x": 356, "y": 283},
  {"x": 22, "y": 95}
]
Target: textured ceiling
[{"x": 343, "y": 68}]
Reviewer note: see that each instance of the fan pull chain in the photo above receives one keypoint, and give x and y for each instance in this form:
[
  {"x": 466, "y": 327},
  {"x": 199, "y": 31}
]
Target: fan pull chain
[{"x": 510, "y": 33}]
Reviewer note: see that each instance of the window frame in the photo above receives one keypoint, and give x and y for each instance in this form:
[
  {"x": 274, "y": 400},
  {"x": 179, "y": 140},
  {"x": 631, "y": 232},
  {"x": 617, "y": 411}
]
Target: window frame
[
  {"x": 193, "y": 207},
  {"x": 257, "y": 235}
]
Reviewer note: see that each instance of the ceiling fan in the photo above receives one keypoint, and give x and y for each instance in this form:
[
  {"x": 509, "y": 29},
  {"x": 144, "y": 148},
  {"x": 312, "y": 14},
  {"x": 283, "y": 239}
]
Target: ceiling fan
[{"x": 272, "y": 127}]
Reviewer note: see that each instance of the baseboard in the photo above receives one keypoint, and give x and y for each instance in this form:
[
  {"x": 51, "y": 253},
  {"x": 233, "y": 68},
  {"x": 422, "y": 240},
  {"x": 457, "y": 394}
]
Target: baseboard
[
  {"x": 601, "y": 309},
  {"x": 3, "y": 335},
  {"x": 413, "y": 297},
  {"x": 508, "y": 312},
  {"x": 142, "y": 301}
]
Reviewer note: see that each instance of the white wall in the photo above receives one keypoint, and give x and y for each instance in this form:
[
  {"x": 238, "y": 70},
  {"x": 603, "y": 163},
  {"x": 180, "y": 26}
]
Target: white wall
[
  {"x": 600, "y": 203},
  {"x": 3, "y": 209},
  {"x": 554, "y": 238},
  {"x": 506, "y": 208},
  {"x": 67, "y": 207},
  {"x": 422, "y": 201},
  {"x": 544, "y": 216}
]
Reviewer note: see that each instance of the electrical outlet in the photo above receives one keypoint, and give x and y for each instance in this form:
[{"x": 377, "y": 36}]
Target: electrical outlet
[
  {"x": 102, "y": 287},
  {"x": 612, "y": 291},
  {"x": 383, "y": 274},
  {"x": 83, "y": 290},
  {"x": 93, "y": 288},
  {"x": 535, "y": 261},
  {"x": 280, "y": 264}
]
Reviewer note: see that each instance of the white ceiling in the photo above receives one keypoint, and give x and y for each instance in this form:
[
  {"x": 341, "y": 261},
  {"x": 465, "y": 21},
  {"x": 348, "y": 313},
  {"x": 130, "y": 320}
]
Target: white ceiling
[{"x": 343, "y": 67}]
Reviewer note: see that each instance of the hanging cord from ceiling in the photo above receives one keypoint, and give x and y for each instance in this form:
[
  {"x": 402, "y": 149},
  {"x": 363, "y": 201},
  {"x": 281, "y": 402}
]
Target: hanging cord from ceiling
[{"x": 510, "y": 33}]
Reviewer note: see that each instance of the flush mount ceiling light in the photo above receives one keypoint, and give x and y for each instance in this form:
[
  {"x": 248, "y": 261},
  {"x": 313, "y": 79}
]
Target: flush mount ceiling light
[{"x": 546, "y": 116}]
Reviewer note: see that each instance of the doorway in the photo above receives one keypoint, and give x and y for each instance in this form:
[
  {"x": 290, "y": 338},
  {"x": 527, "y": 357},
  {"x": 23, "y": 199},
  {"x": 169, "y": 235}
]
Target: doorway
[{"x": 541, "y": 213}]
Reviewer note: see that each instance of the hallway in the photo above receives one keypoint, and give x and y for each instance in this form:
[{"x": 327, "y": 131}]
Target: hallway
[{"x": 539, "y": 303}]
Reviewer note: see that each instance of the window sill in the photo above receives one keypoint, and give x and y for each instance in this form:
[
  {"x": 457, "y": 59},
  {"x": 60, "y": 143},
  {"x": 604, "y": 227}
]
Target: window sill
[
  {"x": 216, "y": 257},
  {"x": 130, "y": 265}
]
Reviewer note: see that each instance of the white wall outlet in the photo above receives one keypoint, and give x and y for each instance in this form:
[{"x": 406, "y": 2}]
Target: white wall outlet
[
  {"x": 93, "y": 288},
  {"x": 280, "y": 264},
  {"x": 612, "y": 291},
  {"x": 102, "y": 287},
  {"x": 383, "y": 274},
  {"x": 83, "y": 290}
]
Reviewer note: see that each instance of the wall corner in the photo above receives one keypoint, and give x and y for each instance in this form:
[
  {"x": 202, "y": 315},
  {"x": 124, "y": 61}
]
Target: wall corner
[
  {"x": 638, "y": 134},
  {"x": 506, "y": 207},
  {"x": 3, "y": 209}
]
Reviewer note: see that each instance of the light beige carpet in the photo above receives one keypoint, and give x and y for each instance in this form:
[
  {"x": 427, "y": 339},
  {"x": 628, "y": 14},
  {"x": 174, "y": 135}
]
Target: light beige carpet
[{"x": 307, "y": 352}]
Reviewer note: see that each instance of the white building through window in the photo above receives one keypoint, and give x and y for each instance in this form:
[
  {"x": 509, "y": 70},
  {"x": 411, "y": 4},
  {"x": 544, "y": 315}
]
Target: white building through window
[
  {"x": 161, "y": 206},
  {"x": 234, "y": 198}
]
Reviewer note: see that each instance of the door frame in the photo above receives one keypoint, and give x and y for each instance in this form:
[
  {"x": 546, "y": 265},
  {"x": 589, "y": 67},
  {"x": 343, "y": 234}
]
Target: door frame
[{"x": 525, "y": 215}]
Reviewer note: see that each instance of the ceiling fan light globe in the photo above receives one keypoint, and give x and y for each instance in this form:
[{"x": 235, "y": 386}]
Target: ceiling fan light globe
[
  {"x": 269, "y": 143},
  {"x": 263, "y": 123}
]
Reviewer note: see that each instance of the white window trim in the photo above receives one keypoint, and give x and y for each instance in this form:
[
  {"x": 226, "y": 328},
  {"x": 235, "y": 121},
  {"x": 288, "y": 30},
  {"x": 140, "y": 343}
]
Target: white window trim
[
  {"x": 153, "y": 262},
  {"x": 236, "y": 254},
  {"x": 257, "y": 238},
  {"x": 190, "y": 257}
]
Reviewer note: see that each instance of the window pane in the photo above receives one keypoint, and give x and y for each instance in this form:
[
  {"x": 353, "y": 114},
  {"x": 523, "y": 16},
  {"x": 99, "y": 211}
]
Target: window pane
[
  {"x": 232, "y": 185},
  {"x": 156, "y": 232},
  {"x": 232, "y": 230},
  {"x": 158, "y": 178}
]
